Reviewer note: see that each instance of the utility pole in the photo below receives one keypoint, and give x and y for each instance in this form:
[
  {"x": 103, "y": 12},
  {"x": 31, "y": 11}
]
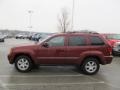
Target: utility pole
[
  {"x": 72, "y": 24},
  {"x": 30, "y": 19}
]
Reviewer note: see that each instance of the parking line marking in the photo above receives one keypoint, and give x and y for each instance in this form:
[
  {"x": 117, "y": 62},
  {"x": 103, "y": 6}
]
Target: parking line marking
[
  {"x": 52, "y": 84},
  {"x": 112, "y": 85},
  {"x": 92, "y": 78},
  {"x": 40, "y": 75},
  {"x": 24, "y": 76},
  {"x": 3, "y": 85}
]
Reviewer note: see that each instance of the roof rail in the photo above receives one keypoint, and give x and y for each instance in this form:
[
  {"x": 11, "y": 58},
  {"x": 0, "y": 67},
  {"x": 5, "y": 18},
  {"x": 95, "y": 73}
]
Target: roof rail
[{"x": 88, "y": 32}]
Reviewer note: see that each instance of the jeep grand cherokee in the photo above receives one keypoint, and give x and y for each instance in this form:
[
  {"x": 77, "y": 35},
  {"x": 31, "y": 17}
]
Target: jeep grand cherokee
[{"x": 85, "y": 50}]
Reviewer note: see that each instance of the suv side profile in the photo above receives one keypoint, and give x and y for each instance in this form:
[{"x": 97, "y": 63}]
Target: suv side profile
[{"x": 87, "y": 51}]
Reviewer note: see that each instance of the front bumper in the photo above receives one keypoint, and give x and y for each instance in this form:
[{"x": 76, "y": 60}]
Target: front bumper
[{"x": 11, "y": 58}]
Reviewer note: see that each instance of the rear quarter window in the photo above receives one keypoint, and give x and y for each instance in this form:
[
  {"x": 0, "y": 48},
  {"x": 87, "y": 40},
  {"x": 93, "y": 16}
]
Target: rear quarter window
[{"x": 96, "y": 40}]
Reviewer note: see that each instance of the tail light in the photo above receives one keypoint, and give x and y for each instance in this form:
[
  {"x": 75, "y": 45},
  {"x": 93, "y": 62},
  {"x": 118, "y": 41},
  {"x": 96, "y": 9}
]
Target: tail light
[{"x": 109, "y": 49}]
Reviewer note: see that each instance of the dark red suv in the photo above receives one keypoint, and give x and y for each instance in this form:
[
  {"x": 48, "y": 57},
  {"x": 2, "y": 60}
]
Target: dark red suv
[{"x": 87, "y": 51}]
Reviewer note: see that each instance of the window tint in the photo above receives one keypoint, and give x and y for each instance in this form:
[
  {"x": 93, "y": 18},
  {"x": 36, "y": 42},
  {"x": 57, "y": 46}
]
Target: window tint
[
  {"x": 56, "y": 41},
  {"x": 77, "y": 41},
  {"x": 95, "y": 40}
]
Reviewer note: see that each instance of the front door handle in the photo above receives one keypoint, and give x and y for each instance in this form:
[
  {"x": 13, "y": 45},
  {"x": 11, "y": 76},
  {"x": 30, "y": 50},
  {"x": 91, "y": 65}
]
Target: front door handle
[{"x": 60, "y": 50}]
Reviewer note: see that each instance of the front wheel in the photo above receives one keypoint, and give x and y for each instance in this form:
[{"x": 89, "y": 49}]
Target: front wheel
[
  {"x": 23, "y": 63},
  {"x": 90, "y": 66}
]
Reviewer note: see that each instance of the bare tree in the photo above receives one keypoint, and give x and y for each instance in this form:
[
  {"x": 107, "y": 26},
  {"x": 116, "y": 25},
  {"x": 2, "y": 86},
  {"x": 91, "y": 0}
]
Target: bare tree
[{"x": 63, "y": 21}]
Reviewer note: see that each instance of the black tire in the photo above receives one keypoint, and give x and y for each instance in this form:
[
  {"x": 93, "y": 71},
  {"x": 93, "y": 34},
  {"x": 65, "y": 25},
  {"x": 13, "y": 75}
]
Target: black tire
[
  {"x": 35, "y": 66},
  {"x": 3, "y": 40},
  {"x": 86, "y": 69},
  {"x": 36, "y": 40},
  {"x": 26, "y": 61}
]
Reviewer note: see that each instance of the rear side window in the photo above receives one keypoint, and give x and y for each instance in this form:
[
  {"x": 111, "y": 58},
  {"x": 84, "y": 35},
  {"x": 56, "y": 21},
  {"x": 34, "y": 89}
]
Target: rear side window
[
  {"x": 77, "y": 41},
  {"x": 95, "y": 40}
]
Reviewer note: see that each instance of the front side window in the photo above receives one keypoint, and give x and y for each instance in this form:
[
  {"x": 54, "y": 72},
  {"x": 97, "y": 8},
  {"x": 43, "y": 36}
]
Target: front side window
[
  {"x": 77, "y": 41},
  {"x": 56, "y": 41},
  {"x": 95, "y": 40}
]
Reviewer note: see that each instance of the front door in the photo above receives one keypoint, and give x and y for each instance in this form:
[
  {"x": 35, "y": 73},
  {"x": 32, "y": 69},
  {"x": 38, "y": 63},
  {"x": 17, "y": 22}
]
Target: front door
[{"x": 55, "y": 53}]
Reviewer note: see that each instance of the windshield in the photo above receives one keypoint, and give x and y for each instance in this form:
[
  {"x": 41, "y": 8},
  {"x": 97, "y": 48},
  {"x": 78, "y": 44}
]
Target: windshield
[
  {"x": 114, "y": 36},
  {"x": 42, "y": 40}
]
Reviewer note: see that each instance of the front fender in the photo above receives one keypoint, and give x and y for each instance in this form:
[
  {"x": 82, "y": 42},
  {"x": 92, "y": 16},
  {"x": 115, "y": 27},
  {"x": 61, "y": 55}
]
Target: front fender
[{"x": 29, "y": 53}]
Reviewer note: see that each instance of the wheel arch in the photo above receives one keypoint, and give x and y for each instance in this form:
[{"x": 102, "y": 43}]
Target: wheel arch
[
  {"x": 92, "y": 56},
  {"x": 23, "y": 54}
]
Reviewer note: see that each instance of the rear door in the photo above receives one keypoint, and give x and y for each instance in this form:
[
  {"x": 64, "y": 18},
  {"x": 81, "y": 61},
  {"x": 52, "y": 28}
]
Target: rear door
[{"x": 76, "y": 45}]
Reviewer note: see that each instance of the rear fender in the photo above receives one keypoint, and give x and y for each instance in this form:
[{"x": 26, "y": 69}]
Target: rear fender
[{"x": 95, "y": 54}]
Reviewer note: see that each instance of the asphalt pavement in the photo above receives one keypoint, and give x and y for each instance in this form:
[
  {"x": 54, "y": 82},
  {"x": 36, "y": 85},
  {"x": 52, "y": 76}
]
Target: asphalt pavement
[{"x": 55, "y": 77}]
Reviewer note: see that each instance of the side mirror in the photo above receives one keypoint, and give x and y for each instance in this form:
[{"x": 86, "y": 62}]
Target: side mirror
[{"x": 45, "y": 45}]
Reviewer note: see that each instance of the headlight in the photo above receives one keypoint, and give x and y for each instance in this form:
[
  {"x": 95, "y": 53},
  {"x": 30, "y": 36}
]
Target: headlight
[{"x": 11, "y": 50}]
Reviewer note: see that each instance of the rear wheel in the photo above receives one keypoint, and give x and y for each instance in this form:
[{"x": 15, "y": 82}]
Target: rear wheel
[
  {"x": 23, "y": 63},
  {"x": 90, "y": 66},
  {"x": 3, "y": 40}
]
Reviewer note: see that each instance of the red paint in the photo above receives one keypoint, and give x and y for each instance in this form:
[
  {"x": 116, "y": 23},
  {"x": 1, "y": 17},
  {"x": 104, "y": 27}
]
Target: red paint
[{"x": 64, "y": 54}]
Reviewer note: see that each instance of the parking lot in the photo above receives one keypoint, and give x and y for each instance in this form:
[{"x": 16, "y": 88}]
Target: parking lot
[{"x": 55, "y": 77}]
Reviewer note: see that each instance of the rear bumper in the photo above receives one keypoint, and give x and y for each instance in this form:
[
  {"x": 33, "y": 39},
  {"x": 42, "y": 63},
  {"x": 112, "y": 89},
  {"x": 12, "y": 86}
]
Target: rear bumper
[{"x": 108, "y": 59}]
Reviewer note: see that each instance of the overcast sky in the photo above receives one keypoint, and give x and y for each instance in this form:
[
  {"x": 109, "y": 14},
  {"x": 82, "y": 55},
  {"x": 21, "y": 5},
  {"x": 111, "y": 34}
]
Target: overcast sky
[{"x": 97, "y": 15}]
